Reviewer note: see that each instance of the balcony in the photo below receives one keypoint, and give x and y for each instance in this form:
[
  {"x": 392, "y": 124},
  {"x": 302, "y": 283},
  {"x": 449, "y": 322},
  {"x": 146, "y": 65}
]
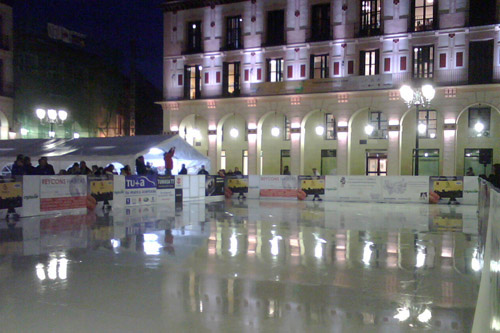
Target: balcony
[{"x": 351, "y": 83}]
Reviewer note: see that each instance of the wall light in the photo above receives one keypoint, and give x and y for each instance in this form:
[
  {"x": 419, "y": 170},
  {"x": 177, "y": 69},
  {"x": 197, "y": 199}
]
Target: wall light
[
  {"x": 369, "y": 129},
  {"x": 275, "y": 131},
  {"x": 234, "y": 132},
  {"x": 320, "y": 130}
]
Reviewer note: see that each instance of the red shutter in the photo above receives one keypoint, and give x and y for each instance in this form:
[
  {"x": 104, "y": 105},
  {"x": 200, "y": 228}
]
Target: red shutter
[
  {"x": 350, "y": 67},
  {"x": 460, "y": 59},
  {"x": 402, "y": 65},
  {"x": 303, "y": 70},
  {"x": 179, "y": 79},
  {"x": 207, "y": 78},
  {"x": 247, "y": 74},
  {"x": 442, "y": 60},
  {"x": 336, "y": 68},
  {"x": 290, "y": 72},
  {"x": 387, "y": 64},
  {"x": 259, "y": 74},
  {"x": 217, "y": 77}
]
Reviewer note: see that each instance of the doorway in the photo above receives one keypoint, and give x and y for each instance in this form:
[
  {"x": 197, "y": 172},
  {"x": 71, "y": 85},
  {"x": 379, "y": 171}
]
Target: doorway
[
  {"x": 328, "y": 162},
  {"x": 376, "y": 163},
  {"x": 284, "y": 160}
]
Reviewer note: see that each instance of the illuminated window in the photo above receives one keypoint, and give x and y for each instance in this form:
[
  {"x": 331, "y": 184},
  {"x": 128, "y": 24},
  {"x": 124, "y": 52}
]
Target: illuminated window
[
  {"x": 192, "y": 82},
  {"x": 231, "y": 78},
  {"x": 423, "y": 14},
  {"x": 379, "y": 123},
  {"x": 319, "y": 66},
  {"x": 369, "y": 62},
  {"x": 370, "y": 18},
  {"x": 274, "y": 70},
  {"x": 331, "y": 127},
  {"x": 479, "y": 115},
  {"x": 423, "y": 62},
  {"x": 287, "y": 132},
  {"x": 245, "y": 162},
  {"x": 223, "y": 159},
  {"x": 429, "y": 119}
]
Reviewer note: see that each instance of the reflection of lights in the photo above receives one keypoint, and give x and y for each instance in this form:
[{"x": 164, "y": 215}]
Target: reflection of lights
[
  {"x": 475, "y": 263},
  {"x": 318, "y": 250},
  {"x": 151, "y": 245},
  {"x": 403, "y": 314},
  {"x": 425, "y": 316},
  {"x": 420, "y": 257},
  {"x": 52, "y": 134},
  {"x": 274, "y": 245},
  {"x": 52, "y": 270},
  {"x": 495, "y": 323},
  {"x": 115, "y": 243},
  {"x": 495, "y": 266},
  {"x": 63, "y": 268},
  {"x": 367, "y": 253},
  {"x": 233, "y": 247},
  {"x": 40, "y": 273}
]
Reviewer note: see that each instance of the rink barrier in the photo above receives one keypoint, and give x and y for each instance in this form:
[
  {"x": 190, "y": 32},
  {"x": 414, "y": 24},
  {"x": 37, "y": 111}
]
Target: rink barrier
[
  {"x": 487, "y": 314},
  {"x": 42, "y": 195}
]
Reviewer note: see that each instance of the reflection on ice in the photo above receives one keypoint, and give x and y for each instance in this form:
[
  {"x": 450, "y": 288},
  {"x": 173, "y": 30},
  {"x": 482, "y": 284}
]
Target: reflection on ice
[{"x": 264, "y": 265}]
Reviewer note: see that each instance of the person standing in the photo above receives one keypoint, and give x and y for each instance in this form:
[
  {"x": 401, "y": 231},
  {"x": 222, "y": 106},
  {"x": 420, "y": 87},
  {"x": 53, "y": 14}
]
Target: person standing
[
  {"x": 169, "y": 163},
  {"x": 316, "y": 195},
  {"x": 30, "y": 169},
  {"x": 18, "y": 166},
  {"x": 237, "y": 171},
  {"x": 315, "y": 172},
  {"x": 140, "y": 166},
  {"x": 203, "y": 171},
  {"x": 286, "y": 171},
  {"x": 44, "y": 168},
  {"x": 183, "y": 171}
]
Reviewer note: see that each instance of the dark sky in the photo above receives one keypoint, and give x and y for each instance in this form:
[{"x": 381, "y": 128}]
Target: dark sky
[{"x": 110, "y": 25}]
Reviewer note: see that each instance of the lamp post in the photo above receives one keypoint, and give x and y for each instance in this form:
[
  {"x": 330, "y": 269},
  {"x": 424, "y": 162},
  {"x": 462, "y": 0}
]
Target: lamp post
[
  {"x": 52, "y": 117},
  {"x": 420, "y": 97}
]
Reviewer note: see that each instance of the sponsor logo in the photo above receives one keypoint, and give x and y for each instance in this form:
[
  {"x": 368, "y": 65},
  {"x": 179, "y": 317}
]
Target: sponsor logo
[{"x": 30, "y": 197}]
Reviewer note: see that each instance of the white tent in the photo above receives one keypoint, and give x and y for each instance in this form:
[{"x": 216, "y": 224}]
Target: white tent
[{"x": 62, "y": 153}]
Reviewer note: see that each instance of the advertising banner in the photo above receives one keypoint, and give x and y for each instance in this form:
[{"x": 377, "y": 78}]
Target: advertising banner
[
  {"x": 353, "y": 188},
  {"x": 236, "y": 185},
  {"x": 140, "y": 190},
  {"x": 101, "y": 187},
  {"x": 63, "y": 193},
  {"x": 165, "y": 188},
  {"x": 471, "y": 190},
  {"x": 311, "y": 186},
  {"x": 405, "y": 189},
  {"x": 214, "y": 186},
  {"x": 446, "y": 190},
  {"x": 278, "y": 187},
  {"x": 11, "y": 193}
]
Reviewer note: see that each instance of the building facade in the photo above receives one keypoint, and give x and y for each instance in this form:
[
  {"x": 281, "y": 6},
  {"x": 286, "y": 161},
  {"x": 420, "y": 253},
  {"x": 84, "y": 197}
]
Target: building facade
[
  {"x": 261, "y": 85},
  {"x": 6, "y": 70}
]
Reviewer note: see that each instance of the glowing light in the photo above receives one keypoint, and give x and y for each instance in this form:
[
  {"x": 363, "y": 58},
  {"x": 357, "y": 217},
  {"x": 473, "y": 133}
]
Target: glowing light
[
  {"x": 174, "y": 128},
  {"x": 422, "y": 128},
  {"x": 393, "y": 122},
  {"x": 475, "y": 263},
  {"x": 52, "y": 134},
  {"x": 40, "y": 273},
  {"x": 367, "y": 253},
  {"x": 320, "y": 130},
  {"x": 318, "y": 250},
  {"x": 40, "y": 113},
  {"x": 155, "y": 151},
  {"x": 52, "y": 114},
  {"x": 274, "y": 245},
  {"x": 403, "y": 314},
  {"x": 196, "y": 133},
  {"x": 52, "y": 270},
  {"x": 115, "y": 243},
  {"x": 425, "y": 316},
  {"x": 369, "y": 129},
  {"x": 63, "y": 115},
  {"x": 342, "y": 123},
  {"x": 151, "y": 245},
  {"x": 406, "y": 93},
  {"x": 234, "y": 132},
  {"x": 428, "y": 91},
  {"x": 479, "y": 127},
  {"x": 76, "y": 135},
  {"x": 63, "y": 268},
  {"x": 233, "y": 247},
  {"x": 420, "y": 258},
  {"x": 426, "y": 154},
  {"x": 24, "y": 131},
  {"x": 432, "y": 135},
  {"x": 449, "y": 121},
  {"x": 275, "y": 131}
]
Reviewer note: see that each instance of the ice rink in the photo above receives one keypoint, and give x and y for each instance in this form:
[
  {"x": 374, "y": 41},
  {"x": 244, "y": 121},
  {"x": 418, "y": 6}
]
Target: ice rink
[{"x": 243, "y": 266}]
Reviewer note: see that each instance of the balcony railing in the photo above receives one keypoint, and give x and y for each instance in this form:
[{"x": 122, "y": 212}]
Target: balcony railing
[
  {"x": 422, "y": 24},
  {"x": 351, "y": 83}
]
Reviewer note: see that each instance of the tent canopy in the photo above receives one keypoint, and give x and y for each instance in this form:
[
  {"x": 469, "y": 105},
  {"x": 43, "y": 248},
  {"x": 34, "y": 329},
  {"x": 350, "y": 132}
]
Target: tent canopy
[{"x": 102, "y": 151}]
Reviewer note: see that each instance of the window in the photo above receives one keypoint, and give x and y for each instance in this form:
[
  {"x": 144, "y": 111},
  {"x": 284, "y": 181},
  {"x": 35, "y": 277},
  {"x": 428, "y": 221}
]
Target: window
[
  {"x": 319, "y": 66},
  {"x": 231, "y": 79},
  {"x": 369, "y": 62},
  {"x": 274, "y": 70},
  {"x": 233, "y": 33},
  {"x": 370, "y": 18},
  {"x": 331, "y": 127},
  {"x": 320, "y": 22},
  {"x": 424, "y": 13},
  {"x": 423, "y": 62},
  {"x": 479, "y": 115},
  {"x": 194, "y": 37},
  {"x": 481, "y": 55},
  {"x": 245, "y": 162},
  {"x": 287, "y": 132},
  {"x": 223, "y": 159},
  {"x": 482, "y": 12},
  {"x": 427, "y": 118},
  {"x": 275, "y": 28},
  {"x": 479, "y": 160},
  {"x": 192, "y": 82},
  {"x": 379, "y": 123}
]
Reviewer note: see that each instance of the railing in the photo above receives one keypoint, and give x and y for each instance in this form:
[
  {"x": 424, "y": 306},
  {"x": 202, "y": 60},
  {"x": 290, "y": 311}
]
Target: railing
[
  {"x": 487, "y": 316},
  {"x": 351, "y": 83},
  {"x": 422, "y": 24}
]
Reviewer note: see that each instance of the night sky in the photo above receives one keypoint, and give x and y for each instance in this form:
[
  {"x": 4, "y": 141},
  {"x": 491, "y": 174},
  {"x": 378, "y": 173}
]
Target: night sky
[{"x": 110, "y": 25}]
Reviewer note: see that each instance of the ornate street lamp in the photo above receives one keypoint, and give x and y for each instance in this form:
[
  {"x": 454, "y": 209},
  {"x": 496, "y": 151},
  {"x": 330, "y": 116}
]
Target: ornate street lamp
[
  {"x": 52, "y": 117},
  {"x": 420, "y": 97}
]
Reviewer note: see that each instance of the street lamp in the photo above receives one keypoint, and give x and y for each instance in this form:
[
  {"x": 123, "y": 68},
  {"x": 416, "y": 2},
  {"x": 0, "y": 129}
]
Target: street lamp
[
  {"x": 420, "y": 97},
  {"x": 52, "y": 117}
]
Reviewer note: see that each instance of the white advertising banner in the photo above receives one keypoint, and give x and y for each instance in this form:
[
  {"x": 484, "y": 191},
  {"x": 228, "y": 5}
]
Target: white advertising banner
[
  {"x": 353, "y": 188},
  {"x": 405, "y": 189},
  {"x": 278, "y": 187},
  {"x": 59, "y": 193},
  {"x": 471, "y": 190}
]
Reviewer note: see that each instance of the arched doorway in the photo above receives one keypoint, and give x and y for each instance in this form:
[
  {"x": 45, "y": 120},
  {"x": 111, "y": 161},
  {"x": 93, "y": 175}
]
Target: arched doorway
[
  {"x": 194, "y": 129},
  {"x": 232, "y": 143},
  {"x": 275, "y": 144}
]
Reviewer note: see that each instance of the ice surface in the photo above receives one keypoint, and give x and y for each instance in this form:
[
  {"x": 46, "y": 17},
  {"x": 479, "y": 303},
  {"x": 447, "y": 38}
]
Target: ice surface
[{"x": 250, "y": 266}]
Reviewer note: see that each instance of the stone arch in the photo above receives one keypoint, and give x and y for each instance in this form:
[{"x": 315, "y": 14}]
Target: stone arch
[
  {"x": 314, "y": 145},
  {"x": 233, "y": 147},
  {"x": 271, "y": 147},
  {"x": 466, "y": 140},
  {"x": 408, "y": 128}
]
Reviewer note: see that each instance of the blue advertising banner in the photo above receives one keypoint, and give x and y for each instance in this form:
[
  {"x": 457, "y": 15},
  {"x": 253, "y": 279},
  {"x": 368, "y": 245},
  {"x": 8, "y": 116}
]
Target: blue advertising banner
[{"x": 140, "y": 190}]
